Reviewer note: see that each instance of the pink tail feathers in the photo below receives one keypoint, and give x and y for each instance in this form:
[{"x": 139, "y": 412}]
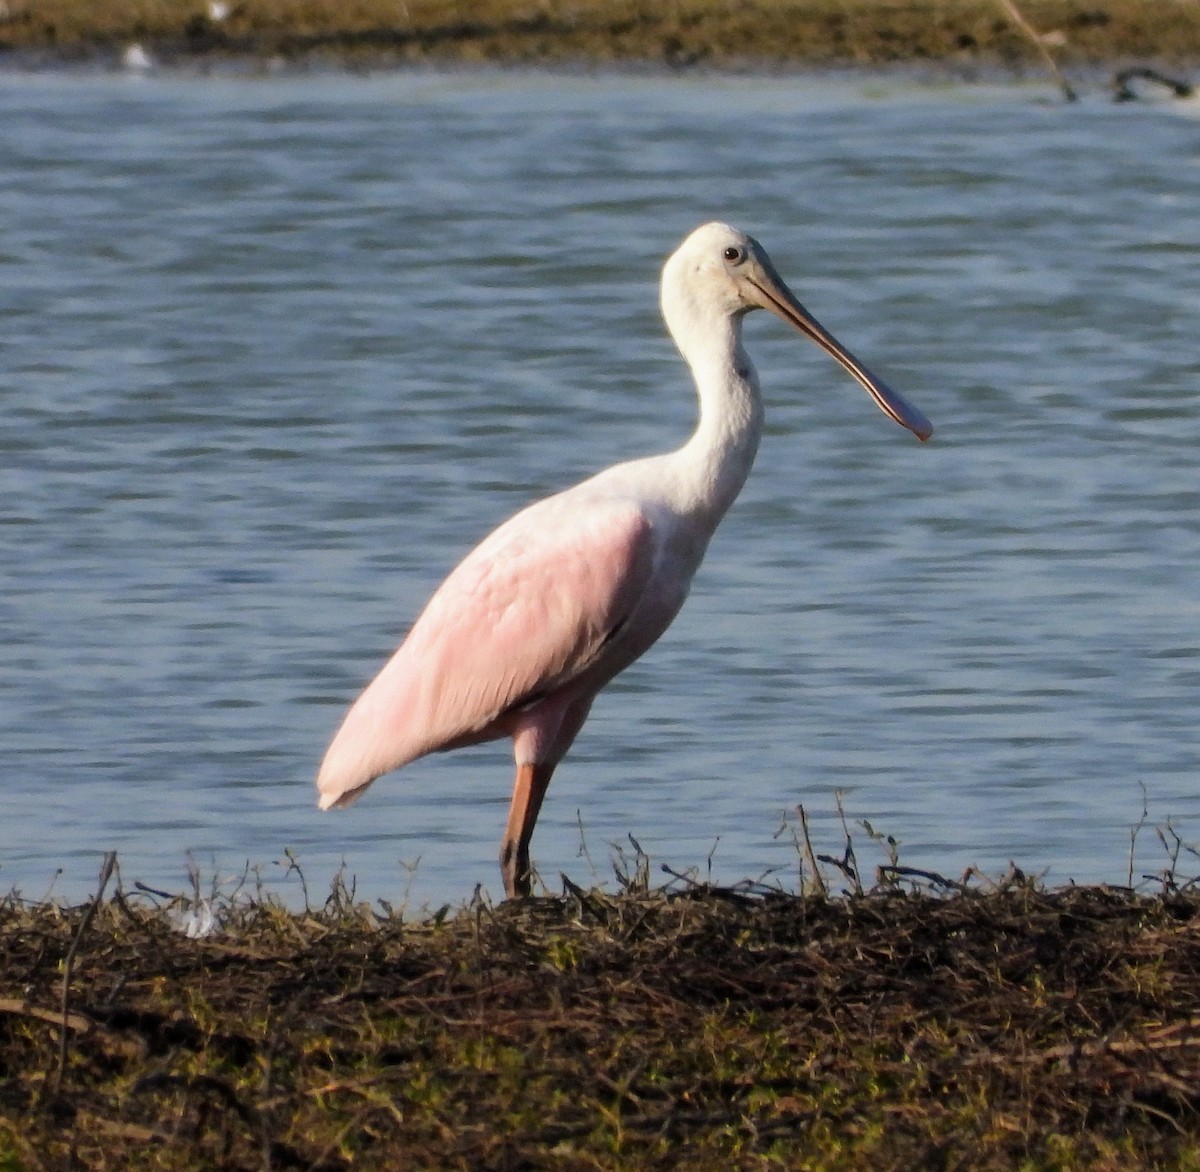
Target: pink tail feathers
[
  {"x": 371, "y": 741},
  {"x": 346, "y": 771}
]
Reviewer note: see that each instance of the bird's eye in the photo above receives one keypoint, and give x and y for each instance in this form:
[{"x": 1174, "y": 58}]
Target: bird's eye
[{"x": 734, "y": 254}]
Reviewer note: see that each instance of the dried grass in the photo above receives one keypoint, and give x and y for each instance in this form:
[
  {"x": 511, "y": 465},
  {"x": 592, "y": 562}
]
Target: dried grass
[{"x": 694, "y": 1026}]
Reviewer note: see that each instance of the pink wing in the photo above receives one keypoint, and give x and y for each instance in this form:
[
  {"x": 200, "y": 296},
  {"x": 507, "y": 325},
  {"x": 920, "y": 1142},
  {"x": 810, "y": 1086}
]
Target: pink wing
[{"x": 522, "y": 615}]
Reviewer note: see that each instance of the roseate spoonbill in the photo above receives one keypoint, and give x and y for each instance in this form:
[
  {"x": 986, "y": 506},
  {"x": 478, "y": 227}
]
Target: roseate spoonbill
[{"x": 536, "y": 619}]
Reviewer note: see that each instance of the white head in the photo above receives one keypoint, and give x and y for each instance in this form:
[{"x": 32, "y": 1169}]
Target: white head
[{"x": 718, "y": 274}]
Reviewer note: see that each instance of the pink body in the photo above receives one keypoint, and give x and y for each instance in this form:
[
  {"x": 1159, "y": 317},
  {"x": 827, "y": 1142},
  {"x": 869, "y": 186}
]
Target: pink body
[
  {"x": 516, "y": 642},
  {"x": 544, "y": 612}
]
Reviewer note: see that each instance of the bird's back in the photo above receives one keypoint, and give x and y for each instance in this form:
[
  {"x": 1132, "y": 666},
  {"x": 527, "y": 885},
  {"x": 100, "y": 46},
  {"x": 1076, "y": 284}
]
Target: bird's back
[{"x": 539, "y": 605}]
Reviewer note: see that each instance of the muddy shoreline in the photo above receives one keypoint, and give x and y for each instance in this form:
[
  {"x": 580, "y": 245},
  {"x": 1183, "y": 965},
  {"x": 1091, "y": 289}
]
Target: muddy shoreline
[
  {"x": 996, "y": 1026},
  {"x": 725, "y": 34}
]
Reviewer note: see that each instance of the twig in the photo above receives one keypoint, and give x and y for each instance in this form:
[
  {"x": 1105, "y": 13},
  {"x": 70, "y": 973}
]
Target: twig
[
  {"x": 1134, "y": 832},
  {"x": 849, "y": 862},
  {"x": 810, "y": 856},
  {"x": 583, "y": 851},
  {"x": 294, "y": 865},
  {"x": 716, "y": 843},
  {"x": 1160, "y": 1041},
  {"x": 594, "y": 907},
  {"x": 918, "y": 873},
  {"x": 639, "y": 881},
  {"x": 1124, "y": 92},
  {"x": 106, "y": 870},
  {"x": 17, "y": 1007},
  {"x": 1015, "y": 15},
  {"x": 685, "y": 877}
]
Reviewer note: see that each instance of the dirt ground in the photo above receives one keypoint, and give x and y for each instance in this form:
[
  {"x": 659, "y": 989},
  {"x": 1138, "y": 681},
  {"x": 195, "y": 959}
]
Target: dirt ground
[
  {"x": 921, "y": 1024},
  {"x": 720, "y": 33}
]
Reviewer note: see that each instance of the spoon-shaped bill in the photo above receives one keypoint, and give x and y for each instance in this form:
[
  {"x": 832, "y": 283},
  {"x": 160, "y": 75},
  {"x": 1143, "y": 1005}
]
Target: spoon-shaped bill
[{"x": 778, "y": 298}]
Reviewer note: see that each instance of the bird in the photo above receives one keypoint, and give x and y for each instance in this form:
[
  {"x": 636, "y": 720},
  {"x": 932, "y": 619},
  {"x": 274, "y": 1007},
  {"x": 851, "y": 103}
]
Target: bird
[
  {"x": 524, "y": 633},
  {"x": 135, "y": 59}
]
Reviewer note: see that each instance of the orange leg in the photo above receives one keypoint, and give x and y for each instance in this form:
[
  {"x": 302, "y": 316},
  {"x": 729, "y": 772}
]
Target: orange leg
[{"x": 528, "y": 791}]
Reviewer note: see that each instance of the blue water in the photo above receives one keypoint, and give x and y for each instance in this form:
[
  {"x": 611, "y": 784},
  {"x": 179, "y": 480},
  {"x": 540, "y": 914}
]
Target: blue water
[{"x": 276, "y": 352}]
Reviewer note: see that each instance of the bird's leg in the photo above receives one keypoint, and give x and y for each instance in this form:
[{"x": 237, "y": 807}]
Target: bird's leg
[{"x": 528, "y": 791}]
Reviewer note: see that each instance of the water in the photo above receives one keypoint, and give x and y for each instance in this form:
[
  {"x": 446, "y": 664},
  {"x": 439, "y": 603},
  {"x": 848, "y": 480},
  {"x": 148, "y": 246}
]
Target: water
[{"x": 276, "y": 352}]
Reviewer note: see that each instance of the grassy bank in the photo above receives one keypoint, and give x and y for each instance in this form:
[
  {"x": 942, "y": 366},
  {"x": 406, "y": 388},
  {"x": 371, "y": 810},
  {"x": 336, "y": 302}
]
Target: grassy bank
[
  {"x": 996, "y": 1026},
  {"x": 680, "y": 32}
]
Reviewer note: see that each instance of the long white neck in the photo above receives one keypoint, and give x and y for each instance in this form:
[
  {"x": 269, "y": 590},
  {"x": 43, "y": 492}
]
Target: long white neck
[{"x": 710, "y": 469}]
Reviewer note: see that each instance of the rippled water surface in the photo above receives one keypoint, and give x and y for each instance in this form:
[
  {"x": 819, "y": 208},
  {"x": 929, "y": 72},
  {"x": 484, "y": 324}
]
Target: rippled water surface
[{"x": 275, "y": 353}]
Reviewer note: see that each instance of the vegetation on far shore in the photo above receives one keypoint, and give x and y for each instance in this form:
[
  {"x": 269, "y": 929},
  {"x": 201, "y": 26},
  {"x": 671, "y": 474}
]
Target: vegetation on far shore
[
  {"x": 1010, "y": 33},
  {"x": 920, "y": 1023}
]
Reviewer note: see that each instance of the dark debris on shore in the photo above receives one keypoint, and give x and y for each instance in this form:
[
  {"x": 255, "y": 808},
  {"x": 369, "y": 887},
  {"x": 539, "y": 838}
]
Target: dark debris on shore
[{"x": 1002, "y": 1025}]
